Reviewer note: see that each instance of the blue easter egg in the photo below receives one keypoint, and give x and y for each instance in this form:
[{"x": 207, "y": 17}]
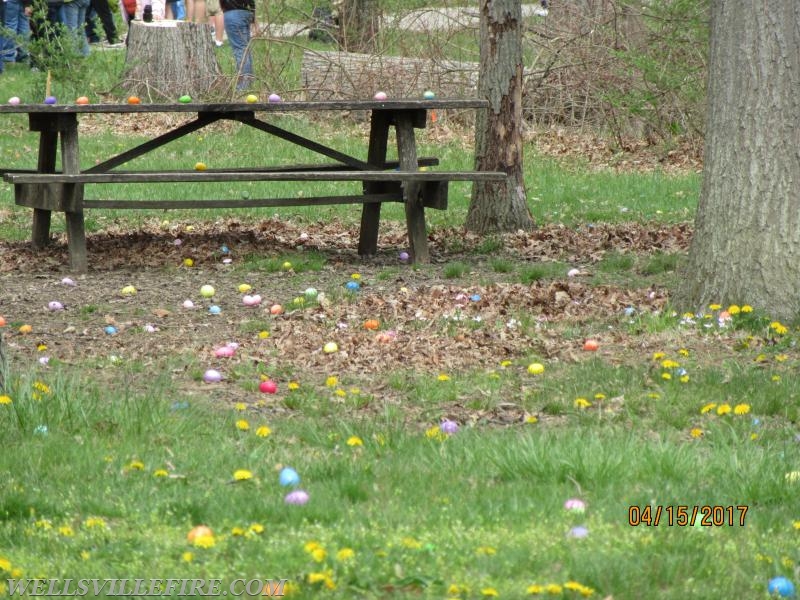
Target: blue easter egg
[
  {"x": 214, "y": 309},
  {"x": 110, "y": 330},
  {"x": 41, "y": 430},
  {"x": 288, "y": 476},
  {"x": 630, "y": 311},
  {"x": 475, "y": 297},
  {"x": 781, "y": 586},
  {"x": 353, "y": 286},
  {"x": 224, "y": 249},
  {"x": 429, "y": 95}
]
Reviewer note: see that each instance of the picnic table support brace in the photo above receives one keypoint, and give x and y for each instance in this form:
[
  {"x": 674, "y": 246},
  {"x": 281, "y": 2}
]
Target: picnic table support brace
[
  {"x": 48, "y": 146},
  {"x": 72, "y": 197},
  {"x": 415, "y": 211},
  {"x": 376, "y": 155}
]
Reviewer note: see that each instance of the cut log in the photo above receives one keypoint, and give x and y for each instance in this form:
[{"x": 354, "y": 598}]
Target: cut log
[{"x": 169, "y": 59}]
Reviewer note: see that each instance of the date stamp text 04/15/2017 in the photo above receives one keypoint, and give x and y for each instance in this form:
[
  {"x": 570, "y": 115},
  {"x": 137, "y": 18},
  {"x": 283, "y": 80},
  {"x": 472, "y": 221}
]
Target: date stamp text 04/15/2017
[{"x": 707, "y": 515}]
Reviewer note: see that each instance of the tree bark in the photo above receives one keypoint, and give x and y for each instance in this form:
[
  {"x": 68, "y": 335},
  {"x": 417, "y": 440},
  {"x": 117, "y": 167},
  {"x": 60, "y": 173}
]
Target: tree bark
[
  {"x": 358, "y": 25},
  {"x": 746, "y": 244},
  {"x": 169, "y": 59},
  {"x": 498, "y": 206}
]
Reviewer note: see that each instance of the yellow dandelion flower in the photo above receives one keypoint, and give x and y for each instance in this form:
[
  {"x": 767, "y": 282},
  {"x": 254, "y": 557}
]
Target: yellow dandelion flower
[
  {"x": 760, "y": 358},
  {"x": 683, "y": 352},
  {"x": 658, "y": 355},
  {"x": 573, "y": 586},
  {"x": 787, "y": 562},
  {"x": 66, "y": 531},
  {"x": 204, "y": 541},
  {"x": 696, "y": 432},
  {"x": 724, "y": 409},
  {"x": 85, "y": 555},
  {"x": 341, "y": 393},
  {"x": 311, "y": 546},
  {"x": 95, "y": 523},
  {"x": 263, "y": 334},
  {"x": 43, "y": 524},
  {"x": 778, "y": 328},
  {"x": 553, "y": 588},
  {"x": 256, "y": 528},
  {"x": 443, "y": 377},
  {"x": 486, "y": 550},
  {"x": 741, "y": 409},
  {"x": 489, "y": 592},
  {"x": 293, "y": 385},
  {"x": 764, "y": 558},
  {"x": 345, "y": 554},
  {"x": 582, "y": 403},
  {"x": 781, "y": 357},
  {"x": 187, "y": 556},
  {"x": 330, "y": 584},
  {"x": 599, "y": 396},
  {"x": 714, "y": 306},
  {"x": 355, "y": 391},
  {"x": 237, "y": 531},
  {"x": 505, "y": 363},
  {"x": 240, "y": 406},
  {"x": 314, "y": 578},
  {"x": 688, "y": 315},
  {"x": 796, "y": 525},
  {"x": 684, "y": 379},
  {"x": 355, "y": 276},
  {"x": 136, "y": 465},
  {"x": 708, "y": 407},
  {"x": 332, "y": 381},
  {"x": 41, "y": 387},
  {"x": 670, "y": 364},
  {"x": 586, "y": 591},
  {"x": 242, "y": 475},
  {"x": 734, "y": 309},
  {"x": 531, "y": 419},
  {"x": 535, "y": 589},
  {"x": 16, "y": 573},
  {"x": 5, "y": 564},
  {"x": 654, "y": 396},
  {"x": 242, "y": 425},
  {"x": 776, "y": 378},
  {"x": 41, "y": 347},
  {"x": 319, "y": 554},
  {"x": 456, "y": 589},
  {"x": 435, "y": 433},
  {"x": 753, "y": 436},
  {"x": 666, "y": 376},
  {"x": 160, "y": 473},
  {"x": 354, "y": 441},
  {"x": 5, "y": 399},
  {"x": 411, "y": 543},
  {"x": 263, "y": 431}
]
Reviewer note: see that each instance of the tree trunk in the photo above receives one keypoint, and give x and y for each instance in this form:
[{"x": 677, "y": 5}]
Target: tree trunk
[
  {"x": 169, "y": 59},
  {"x": 746, "y": 244},
  {"x": 498, "y": 206},
  {"x": 358, "y": 25}
]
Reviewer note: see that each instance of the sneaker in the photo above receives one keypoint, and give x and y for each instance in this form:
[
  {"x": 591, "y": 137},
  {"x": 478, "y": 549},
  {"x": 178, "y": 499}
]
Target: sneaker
[{"x": 219, "y": 44}]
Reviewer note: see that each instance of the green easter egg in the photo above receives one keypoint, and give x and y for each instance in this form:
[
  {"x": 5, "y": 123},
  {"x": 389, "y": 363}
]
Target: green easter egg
[{"x": 185, "y": 99}]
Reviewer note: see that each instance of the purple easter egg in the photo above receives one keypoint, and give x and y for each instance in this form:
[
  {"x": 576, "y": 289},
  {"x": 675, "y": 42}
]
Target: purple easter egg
[
  {"x": 273, "y": 98},
  {"x": 449, "y": 427},
  {"x": 297, "y": 497},
  {"x": 212, "y": 376},
  {"x": 50, "y": 100},
  {"x": 55, "y": 305}
]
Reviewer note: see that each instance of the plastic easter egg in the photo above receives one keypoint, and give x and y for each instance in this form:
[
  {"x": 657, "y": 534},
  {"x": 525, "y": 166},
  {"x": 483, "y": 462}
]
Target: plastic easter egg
[
  {"x": 288, "y": 477},
  {"x": 134, "y": 100},
  {"x": 578, "y": 532},
  {"x": 286, "y": 266},
  {"x": 3, "y": 321},
  {"x": 128, "y": 290},
  {"x": 380, "y": 96},
  {"x": 50, "y": 100},
  {"x": 268, "y": 387},
  {"x": 253, "y": 300},
  {"x": 428, "y": 95},
  {"x": 214, "y": 309},
  {"x": 13, "y": 100},
  {"x": 536, "y": 368},
  {"x": 82, "y": 100},
  {"x": 591, "y": 345},
  {"x": 630, "y": 311},
  {"x": 573, "y": 272},
  {"x": 575, "y": 505},
  {"x": 224, "y": 352},
  {"x": 188, "y": 304},
  {"x": 251, "y": 99},
  {"x": 185, "y": 99},
  {"x": 273, "y": 98},
  {"x": 200, "y": 531},
  {"x": 372, "y": 324},
  {"x": 200, "y": 166},
  {"x": 276, "y": 309},
  {"x": 188, "y": 262},
  {"x": 297, "y": 497},
  {"x": 475, "y": 298},
  {"x": 353, "y": 286},
  {"x": 55, "y": 305},
  {"x": 25, "y": 329},
  {"x": 110, "y": 329},
  {"x": 41, "y": 430},
  {"x": 403, "y": 256},
  {"x": 207, "y": 291},
  {"x": 150, "y": 328},
  {"x": 68, "y": 282},
  {"x": 781, "y": 587},
  {"x": 244, "y": 288},
  {"x": 310, "y": 293},
  {"x": 44, "y": 360},
  {"x": 212, "y": 376},
  {"x": 330, "y": 348},
  {"x": 449, "y": 427}
]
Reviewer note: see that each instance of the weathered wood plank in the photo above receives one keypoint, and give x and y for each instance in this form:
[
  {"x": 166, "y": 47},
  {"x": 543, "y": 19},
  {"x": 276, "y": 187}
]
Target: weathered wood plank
[
  {"x": 415, "y": 211},
  {"x": 244, "y": 202},
  {"x": 48, "y": 148},
  {"x": 72, "y": 197},
  {"x": 222, "y": 176},
  {"x": 371, "y": 213}
]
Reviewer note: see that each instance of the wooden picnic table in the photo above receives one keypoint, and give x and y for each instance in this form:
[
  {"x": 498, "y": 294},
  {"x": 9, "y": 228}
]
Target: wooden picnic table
[{"x": 46, "y": 188}]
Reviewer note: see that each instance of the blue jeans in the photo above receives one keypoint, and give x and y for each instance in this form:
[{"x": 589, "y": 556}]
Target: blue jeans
[
  {"x": 19, "y": 25},
  {"x": 75, "y": 19},
  {"x": 237, "y": 27}
]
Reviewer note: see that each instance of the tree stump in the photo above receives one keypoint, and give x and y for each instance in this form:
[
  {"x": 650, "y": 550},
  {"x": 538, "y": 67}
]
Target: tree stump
[{"x": 169, "y": 59}]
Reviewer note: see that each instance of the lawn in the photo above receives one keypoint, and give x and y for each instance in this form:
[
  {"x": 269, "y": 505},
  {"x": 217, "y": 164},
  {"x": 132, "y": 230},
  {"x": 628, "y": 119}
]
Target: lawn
[{"x": 453, "y": 432}]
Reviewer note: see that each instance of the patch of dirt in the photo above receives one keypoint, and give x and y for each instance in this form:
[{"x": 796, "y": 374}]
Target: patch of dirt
[{"x": 429, "y": 324}]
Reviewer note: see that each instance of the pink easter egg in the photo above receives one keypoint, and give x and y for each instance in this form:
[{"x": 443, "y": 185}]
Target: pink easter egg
[
  {"x": 212, "y": 376},
  {"x": 297, "y": 497},
  {"x": 381, "y": 96}
]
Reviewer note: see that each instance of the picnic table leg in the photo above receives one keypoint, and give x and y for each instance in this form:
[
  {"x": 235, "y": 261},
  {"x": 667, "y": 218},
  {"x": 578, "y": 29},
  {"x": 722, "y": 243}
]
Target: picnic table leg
[
  {"x": 76, "y": 236},
  {"x": 376, "y": 155},
  {"x": 48, "y": 145},
  {"x": 415, "y": 212}
]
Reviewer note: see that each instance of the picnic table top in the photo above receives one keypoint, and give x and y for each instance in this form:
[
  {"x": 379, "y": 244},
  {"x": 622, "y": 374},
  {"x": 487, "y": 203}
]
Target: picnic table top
[{"x": 232, "y": 107}]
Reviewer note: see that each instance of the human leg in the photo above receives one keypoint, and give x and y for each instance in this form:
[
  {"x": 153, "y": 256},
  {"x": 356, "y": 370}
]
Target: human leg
[
  {"x": 237, "y": 28},
  {"x": 74, "y": 18},
  {"x": 103, "y": 10},
  {"x": 18, "y": 24}
]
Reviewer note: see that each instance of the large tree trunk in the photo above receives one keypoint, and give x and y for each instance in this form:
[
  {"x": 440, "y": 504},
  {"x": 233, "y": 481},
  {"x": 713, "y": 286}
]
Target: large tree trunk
[
  {"x": 746, "y": 244},
  {"x": 498, "y": 206},
  {"x": 358, "y": 25},
  {"x": 169, "y": 59}
]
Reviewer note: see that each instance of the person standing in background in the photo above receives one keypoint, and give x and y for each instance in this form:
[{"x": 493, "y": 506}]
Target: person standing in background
[
  {"x": 17, "y": 22},
  {"x": 75, "y": 20},
  {"x": 102, "y": 9},
  {"x": 239, "y": 16},
  {"x": 216, "y": 21}
]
